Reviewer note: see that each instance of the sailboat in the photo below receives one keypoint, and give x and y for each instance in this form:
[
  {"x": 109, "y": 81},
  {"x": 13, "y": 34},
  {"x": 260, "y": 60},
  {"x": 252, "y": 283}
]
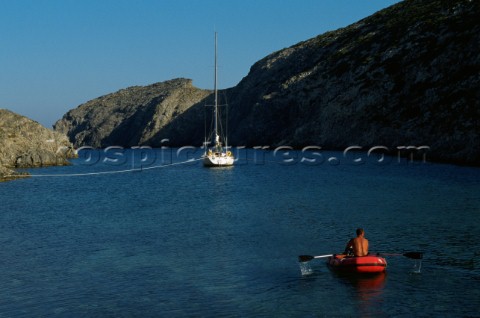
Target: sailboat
[{"x": 217, "y": 155}]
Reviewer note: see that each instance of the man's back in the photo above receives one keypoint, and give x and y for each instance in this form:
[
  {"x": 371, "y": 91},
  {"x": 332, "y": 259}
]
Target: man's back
[{"x": 360, "y": 246}]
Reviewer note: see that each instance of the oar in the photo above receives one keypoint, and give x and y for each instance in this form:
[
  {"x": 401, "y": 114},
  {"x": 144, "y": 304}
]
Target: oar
[
  {"x": 306, "y": 258},
  {"x": 412, "y": 255}
]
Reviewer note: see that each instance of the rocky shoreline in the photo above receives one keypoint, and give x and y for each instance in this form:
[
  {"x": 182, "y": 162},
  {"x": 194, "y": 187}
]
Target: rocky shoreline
[
  {"x": 25, "y": 143},
  {"x": 406, "y": 76},
  {"x": 403, "y": 78}
]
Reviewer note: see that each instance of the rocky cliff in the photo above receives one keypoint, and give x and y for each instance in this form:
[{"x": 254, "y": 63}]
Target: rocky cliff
[
  {"x": 25, "y": 143},
  {"x": 140, "y": 115},
  {"x": 407, "y": 75}
]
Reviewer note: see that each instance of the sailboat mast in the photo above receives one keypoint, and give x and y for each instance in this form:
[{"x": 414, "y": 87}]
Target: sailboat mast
[
  {"x": 216, "y": 94},
  {"x": 218, "y": 155}
]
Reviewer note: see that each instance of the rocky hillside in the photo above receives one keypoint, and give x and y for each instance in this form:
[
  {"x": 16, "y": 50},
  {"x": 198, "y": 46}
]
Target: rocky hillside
[
  {"x": 140, "y": 115},
  {"x": 25, "y": 143},
  {"x": 407, "y": 75}
]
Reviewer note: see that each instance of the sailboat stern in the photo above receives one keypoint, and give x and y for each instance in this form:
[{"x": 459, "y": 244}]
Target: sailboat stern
[{"x": 218, "y": 159}]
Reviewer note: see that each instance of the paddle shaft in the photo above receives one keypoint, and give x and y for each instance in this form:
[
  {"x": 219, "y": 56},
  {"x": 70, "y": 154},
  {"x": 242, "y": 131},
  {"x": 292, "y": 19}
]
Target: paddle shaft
[
  {"x": 323, "y": 256},
  {"x": 306, "y": 258}
]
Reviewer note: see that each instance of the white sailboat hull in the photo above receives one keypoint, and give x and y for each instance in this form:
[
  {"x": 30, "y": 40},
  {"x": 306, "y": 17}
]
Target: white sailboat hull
[{"x": 218, "y": 160}]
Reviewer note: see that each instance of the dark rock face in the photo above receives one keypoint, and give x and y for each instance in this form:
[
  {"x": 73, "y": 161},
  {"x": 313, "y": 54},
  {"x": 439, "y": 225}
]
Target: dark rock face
[
  {"x": 25, "y": 143},
  {"x": 407, "y": 75}
]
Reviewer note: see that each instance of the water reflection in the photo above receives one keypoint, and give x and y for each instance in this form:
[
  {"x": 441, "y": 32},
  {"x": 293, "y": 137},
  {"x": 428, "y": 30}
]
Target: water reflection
[{"x": 367, "y": 292}]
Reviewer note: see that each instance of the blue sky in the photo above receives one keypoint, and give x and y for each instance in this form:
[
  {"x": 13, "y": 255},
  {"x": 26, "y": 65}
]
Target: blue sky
[{"x": 58, "y": 54}]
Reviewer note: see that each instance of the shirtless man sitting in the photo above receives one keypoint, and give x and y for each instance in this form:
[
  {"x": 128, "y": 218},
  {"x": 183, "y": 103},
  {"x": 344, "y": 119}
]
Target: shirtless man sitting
[{"x": 357, "y": 246}]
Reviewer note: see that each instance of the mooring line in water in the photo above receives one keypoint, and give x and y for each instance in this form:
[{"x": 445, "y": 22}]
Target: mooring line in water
[{"x": 103, "y": 172}]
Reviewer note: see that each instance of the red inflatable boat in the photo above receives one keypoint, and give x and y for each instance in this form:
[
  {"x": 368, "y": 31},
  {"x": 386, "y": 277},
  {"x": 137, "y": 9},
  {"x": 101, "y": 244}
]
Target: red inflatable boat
[{"x": 352, "y": 264}]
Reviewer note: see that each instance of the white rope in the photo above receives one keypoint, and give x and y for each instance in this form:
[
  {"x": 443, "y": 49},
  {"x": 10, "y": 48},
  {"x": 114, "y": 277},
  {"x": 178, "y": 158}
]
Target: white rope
[{"x": 103, "y": 172}]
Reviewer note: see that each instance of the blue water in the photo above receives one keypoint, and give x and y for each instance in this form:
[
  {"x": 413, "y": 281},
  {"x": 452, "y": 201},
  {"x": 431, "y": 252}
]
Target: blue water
[{"x": 184, "y": 240}]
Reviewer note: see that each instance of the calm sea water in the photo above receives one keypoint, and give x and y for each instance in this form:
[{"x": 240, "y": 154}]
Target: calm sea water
[{"x": 183, "y": 240}]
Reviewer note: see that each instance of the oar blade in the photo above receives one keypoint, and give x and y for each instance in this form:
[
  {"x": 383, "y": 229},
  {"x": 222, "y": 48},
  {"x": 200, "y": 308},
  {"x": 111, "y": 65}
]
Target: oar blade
[
  {"x": 305, "y": 258},
  {"x": 413, "y": 255}
]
